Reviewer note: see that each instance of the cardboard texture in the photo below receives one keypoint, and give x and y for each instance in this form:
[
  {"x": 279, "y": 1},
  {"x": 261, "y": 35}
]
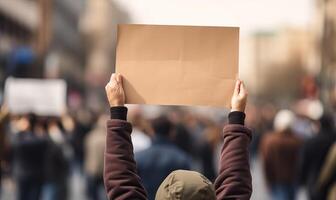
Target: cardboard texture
[
  {"x": 178, "y": 65},
  {"x": 42, "y": 97}
]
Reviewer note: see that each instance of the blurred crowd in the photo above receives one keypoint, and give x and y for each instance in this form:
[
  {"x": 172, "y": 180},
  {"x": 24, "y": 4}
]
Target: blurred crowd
[
  {"x": 41, "y": 155},
  {"x": 62, "y": 157},
  {"x": 48, "y": 157},
  {"x": 296, "y": 151}
]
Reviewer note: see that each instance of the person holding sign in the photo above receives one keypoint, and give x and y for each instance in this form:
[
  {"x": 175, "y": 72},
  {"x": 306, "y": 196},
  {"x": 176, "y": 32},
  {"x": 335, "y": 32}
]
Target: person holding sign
[{"x": 120, "y": 172}]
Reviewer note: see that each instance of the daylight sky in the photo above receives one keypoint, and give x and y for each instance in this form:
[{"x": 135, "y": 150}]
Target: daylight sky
[{"x": 250, "y": 15}]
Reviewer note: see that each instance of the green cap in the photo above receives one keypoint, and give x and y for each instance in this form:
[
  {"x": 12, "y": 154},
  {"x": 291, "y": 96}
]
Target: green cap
[{"x": 186, "y": 185}]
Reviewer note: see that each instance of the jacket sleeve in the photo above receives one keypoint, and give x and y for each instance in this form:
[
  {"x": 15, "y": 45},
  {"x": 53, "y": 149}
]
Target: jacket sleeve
[
  {"x": 234, "y": 180},
  {"x": 120, "y": 173}
]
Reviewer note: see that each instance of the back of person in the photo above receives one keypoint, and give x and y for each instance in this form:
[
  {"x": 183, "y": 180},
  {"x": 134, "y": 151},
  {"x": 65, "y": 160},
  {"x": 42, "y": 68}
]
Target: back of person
[
  {"x": 29, "y": 157},
  {"x": 94, "y": 148},
  {"x": 121, "y": 177},
  {"x": 280, "y": 152},
  {"x": 29, "y": 164},
  {"x": 57, "y": 171},
  {"x": 313, "y": 156},
  {"x": 3, "y": 124},
  {"x": 94, "y": 159},
  {"x": 327, "y": 179},
  {"x": 157, "y": 162}
]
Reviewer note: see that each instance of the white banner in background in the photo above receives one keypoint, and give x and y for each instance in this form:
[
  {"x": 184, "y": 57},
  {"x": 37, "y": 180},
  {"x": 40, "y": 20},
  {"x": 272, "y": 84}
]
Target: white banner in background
[{"x": 42, "y": 97}]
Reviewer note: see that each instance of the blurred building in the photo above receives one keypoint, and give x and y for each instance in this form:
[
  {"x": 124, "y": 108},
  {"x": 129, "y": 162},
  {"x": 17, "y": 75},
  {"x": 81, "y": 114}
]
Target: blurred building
[
  {"x": 18, "y": 29},
  {"x": 17, "y": 26},
  {"x": 327, "y": 23},
  {"x": 66, "y": 54},
  {"x": 95, "y": 27},
  {"x": 276, "y": 61},
  {"x": 47, "y": 29},
  {"x": 45, "y": 25}
]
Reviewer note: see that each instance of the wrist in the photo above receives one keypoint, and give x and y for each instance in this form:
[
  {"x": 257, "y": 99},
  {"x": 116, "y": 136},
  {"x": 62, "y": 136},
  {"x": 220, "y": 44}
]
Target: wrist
[
  {"x": 237, "y": 117},
  {"x": 116, "y": 104},
  {"x": 118, "y": 112},
  {"x": 237, "y": 110}
]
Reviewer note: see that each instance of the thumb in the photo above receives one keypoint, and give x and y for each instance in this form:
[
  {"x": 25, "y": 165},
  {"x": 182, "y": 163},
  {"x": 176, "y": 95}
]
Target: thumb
[{"x": 237, "y": 88}]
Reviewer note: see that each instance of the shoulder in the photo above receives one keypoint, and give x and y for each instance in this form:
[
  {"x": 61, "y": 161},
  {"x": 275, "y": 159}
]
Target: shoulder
[
  {"x": 269, "y": 138},
  {"x": 164, "y": 151}
]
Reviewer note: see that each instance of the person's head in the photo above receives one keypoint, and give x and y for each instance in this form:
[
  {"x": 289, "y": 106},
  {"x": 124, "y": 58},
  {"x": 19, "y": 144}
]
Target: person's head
[
  {"x": 162, "y": 126},
  {"x": 139, "y": 121},
  {"x": 23, "y": 124},
  {"x": 284, "y": 120},
  {"x": 185, "y": 185}
]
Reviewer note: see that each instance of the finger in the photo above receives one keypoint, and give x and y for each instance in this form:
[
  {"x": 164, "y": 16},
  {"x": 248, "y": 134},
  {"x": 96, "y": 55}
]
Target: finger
[
  {"x": 243, "y": 90},
  {"x": 113, "y": 77},
  {"x": 237, "y": 87},
  {"x": 113, "y": 83}
]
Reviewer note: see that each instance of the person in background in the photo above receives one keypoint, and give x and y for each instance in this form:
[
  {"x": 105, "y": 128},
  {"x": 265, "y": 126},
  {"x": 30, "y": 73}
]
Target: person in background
[
  {"x": 280, "y": 154},
  {"x": 208, "y": 151},
  {"x": 153, "y": 167},
  {"x": 120, "y": 172},
  {"x": 57, "y": 162},
  {"x": 254, "y": 122},
  {"x": 29, "y": 153},
  {"x": 182, "y": 135},
  {"x": 142, "y": 130},
  {"x": 327, "y": 178},
  {"x": 183, "y": 138},
  {"x": 94, "y": 145},
  {"x": 313, "y": 156},
  {"x": 83, "y": 124},
  {"x": 3, "y": 121}
]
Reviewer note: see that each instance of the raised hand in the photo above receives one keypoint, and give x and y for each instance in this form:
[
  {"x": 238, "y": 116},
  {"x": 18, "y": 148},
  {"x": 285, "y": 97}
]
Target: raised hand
[
  {"x": 239, "y": 97},
  {"x": 114, "y": 91}
]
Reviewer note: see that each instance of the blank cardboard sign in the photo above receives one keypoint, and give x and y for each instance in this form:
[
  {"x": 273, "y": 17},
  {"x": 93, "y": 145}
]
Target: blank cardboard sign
[{"x": 178, "y": 65}]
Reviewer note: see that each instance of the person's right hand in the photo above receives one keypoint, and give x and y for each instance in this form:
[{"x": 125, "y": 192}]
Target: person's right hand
[
  {"x": 239, "y": 97},
  {"x": 114, "y": 91}
]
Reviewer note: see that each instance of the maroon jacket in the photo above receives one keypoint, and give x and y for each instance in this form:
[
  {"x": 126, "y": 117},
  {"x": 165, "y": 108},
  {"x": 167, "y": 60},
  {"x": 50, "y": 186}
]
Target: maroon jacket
[
  {"x": 280, "y": 154},
  {"x": 120, "y": 174}
]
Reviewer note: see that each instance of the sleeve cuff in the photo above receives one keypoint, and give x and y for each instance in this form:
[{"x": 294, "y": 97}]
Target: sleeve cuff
[
  {"x": 118, "y": 112},
  {"x": 237, "y": 117}
]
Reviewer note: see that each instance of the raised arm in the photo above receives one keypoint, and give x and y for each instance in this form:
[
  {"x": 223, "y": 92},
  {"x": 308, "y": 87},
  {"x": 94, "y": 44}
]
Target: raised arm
[
  {"x": 120, "y": 174},
  {"x": 234, "y": 180}
]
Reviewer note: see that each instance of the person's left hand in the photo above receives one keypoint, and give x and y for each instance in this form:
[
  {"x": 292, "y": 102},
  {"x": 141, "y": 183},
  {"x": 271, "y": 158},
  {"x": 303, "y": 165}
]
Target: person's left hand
[
  {"x": 239, "y": 97},
  {"x": 114, "y": 91}
]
